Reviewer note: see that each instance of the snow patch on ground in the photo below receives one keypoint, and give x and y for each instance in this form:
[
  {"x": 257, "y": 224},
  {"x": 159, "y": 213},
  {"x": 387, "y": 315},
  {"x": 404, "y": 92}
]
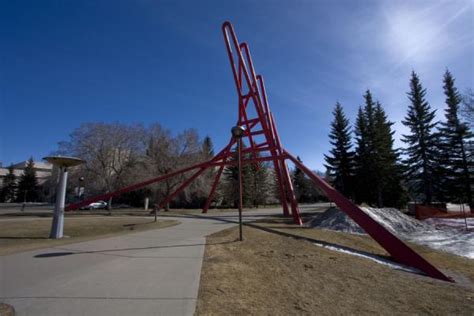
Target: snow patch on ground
[
  {"x": 375, "y": 258},
  {"x": 452, "y": 223},
  {"x": 450, "y": 207},
  {"x": 334, "y": 219},
  {"x": 443, "y": 234}
]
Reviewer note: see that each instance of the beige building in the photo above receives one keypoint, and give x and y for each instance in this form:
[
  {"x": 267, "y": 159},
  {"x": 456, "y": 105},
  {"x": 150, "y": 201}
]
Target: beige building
[{"x": 43, "y": 171}]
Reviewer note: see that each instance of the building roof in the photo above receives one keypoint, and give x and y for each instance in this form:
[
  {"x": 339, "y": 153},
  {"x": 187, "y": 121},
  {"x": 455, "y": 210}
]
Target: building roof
[{"x": 39, "y": 165}]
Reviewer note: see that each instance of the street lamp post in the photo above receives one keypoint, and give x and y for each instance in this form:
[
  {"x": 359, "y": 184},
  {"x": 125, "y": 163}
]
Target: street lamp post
[
  {"x": 63, "y": 163},
  {"x": 237, "y": 132},
  {"x": 82, "y": 189}
]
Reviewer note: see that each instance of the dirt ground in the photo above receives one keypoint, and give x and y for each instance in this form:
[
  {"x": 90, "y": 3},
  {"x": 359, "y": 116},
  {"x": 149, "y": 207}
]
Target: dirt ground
[
  {"x": 21, "y": 234},
  {"x": 273, "y": 274}
]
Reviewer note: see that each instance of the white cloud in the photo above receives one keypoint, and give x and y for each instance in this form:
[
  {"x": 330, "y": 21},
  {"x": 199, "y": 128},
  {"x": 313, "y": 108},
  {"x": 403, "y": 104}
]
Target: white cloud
[
  {"x": 425, "y": 36},
  {"x": 417, "y": 34}
]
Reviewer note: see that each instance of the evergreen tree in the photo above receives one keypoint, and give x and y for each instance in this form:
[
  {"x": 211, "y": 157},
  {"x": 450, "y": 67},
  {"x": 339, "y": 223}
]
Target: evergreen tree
[
  {"x": 340, "y": 162},
  {"x": 454, "y": 137},
  {"x": 202, "y": 185},
  {"x": 366, "y": 178},
  {"x": 378, "y": 174},
  {"x": 231, "y": 186},
  {"x": 302, "y": 185},
  {"x": 388, "y": 171},
  {"x": 8, "y": 193},
  {"x": 207, "y": 148},
  {"x": 421, "y": 152},
  {"x": 28, "y": 189},
  {"x": 260, "y": 183}
]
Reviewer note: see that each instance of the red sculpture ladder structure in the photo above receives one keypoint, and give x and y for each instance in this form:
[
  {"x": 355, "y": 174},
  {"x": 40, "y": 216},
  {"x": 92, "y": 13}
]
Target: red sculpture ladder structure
[{"x": 262, "y": 143}]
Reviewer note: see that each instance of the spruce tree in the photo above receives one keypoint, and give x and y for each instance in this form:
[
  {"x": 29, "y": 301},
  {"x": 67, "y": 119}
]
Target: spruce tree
[
  {"x": 421, "y": 152},
  {"x": 377, "y": 172},
  {"x": 388, "y": 171},
  {"x": 454, "y": 137},
  {"x": 28, "y": 189},
  {"x": 231, "y": 186},
  {"x": 260, "y": 183},
  {"x": 204, "y": 183},
  {"x": 366, "y": 177},
  {"x": 301, "y": 185},
  {"x": 9, "y": 189},
  {"x": 340, "y": 161},
  {"x": 207, "y": 148}
]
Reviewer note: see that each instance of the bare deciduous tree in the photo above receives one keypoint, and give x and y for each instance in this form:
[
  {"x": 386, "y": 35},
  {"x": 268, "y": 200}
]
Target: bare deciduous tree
[
  {"x": 165, "y": 154},
  {"x": 110, "y": 151}
]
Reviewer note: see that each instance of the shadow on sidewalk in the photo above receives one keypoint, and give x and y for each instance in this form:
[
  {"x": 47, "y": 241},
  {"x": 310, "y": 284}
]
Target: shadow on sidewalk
[{"x": 107, "y": 251}]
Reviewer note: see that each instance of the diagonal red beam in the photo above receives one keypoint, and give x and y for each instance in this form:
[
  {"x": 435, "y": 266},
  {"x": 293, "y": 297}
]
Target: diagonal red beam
[
  {"x": 133, "y": 187},
  {"x": 213, "y": 188},
  {"x": 243, "y": 118},
  {"x": 286, "y": 177},
  {"x": 75, "y": 206},
  {"x": 276, "y": 163},
  {"x": 182, "y": 186},
  {"x": 394, "y": 246},
  {"x": 261, "y": 105}
]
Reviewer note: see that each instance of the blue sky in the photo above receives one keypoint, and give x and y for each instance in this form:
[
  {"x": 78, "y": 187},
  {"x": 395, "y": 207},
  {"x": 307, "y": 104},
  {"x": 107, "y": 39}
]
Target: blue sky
[{"x": 63, "y": 63}]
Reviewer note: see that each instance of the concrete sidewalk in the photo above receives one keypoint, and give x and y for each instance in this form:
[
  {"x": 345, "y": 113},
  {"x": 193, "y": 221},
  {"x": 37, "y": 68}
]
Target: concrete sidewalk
[{"x": 148, "y": 273}]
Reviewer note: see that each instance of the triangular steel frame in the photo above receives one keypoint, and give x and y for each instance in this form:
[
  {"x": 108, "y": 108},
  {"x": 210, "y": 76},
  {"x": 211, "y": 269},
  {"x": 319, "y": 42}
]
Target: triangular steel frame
[{"x": 263, "y": 144}]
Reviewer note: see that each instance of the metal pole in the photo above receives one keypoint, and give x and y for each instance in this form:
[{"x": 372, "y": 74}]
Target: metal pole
[
  {"x": 24, "y": 201},
  {"x": 58, "y": 219},
  {"x": 239, "y": 153},
  {"x": 464, "y": 214}
]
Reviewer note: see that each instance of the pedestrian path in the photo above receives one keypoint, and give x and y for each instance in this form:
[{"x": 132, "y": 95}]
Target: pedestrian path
[{"x": 154, "y": 272}]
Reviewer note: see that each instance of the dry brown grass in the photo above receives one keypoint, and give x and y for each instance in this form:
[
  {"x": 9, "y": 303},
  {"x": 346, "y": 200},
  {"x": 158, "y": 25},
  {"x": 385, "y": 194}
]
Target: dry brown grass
[
  {"x": 6, "y": 310},
  {"x": 270, "y": 274},
  {"x": 27, "y": 234},
  {"x": 440, "y": 259}
]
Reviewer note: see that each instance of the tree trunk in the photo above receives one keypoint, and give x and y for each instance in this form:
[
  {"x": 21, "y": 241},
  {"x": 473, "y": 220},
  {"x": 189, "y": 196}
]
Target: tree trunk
[
  {"x": 109, "y": 205},
  {"x": 379, "y": 197},
  {"x": 467, "y": 177}
]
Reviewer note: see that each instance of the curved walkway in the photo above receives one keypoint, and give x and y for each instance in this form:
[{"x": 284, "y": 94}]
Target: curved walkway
[{"x": 154, "y": 272}]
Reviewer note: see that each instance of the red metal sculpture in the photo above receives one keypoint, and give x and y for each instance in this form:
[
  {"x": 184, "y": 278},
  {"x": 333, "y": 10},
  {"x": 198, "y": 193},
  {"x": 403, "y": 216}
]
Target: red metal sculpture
[{"x": 263, "y": 144}]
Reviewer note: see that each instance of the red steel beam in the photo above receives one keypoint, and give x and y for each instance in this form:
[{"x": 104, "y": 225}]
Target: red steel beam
[
  {"x": 226, "y": 29},
  {"x": 133, "y": 187},
  {"x": 252, "y": 122},
  {"x": 243, "y": 117},
  {"x": 182, "y": 186},
  {"x": 247, "y": 161},
  {"x": 287, "y": 179},
  {"x": 394, "y": 246},
  {"x": 137, "y": 186},
  {"x": 272, "y": 138},
  {"x": 284, "y": 180},
  {"x": 247, "y": 133},
  {"x": 213, "y": 188},
  {"x": 249, "y": 150},
  {"x": 276, "y": 163}
]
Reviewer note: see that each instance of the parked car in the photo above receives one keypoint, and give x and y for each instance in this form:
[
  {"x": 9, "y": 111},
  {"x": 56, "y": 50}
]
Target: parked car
[{"x": 95, "y": 205}]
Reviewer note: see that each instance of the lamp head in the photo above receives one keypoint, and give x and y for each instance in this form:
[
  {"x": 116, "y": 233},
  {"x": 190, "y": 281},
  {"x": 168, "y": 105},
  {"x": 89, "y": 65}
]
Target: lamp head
[
  {"x": 64, "y": 161},
  {"x": 238, "y": 131}
]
